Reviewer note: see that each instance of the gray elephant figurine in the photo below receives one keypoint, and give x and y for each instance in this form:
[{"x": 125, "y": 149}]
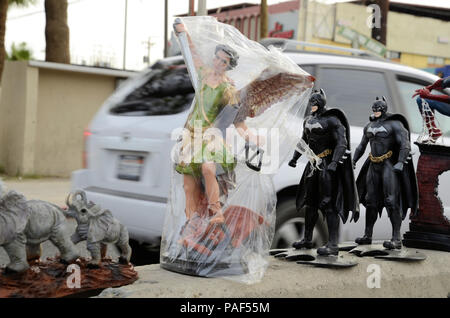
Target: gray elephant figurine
[
  {"x": 24, "y": 225},
  {"x": 98, "y": 227}
]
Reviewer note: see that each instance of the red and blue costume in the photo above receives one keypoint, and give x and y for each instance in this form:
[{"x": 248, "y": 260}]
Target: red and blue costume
[{"x": 440, "y": 103}]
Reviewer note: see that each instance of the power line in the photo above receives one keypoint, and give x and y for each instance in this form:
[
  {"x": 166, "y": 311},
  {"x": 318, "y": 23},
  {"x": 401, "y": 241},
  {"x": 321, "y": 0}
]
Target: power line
[{"x": 40, "y": 11}]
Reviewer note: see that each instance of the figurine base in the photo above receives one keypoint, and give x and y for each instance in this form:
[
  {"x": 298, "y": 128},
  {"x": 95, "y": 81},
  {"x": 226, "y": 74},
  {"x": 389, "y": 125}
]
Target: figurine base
[
  {"x": 345, "y": 247},
  {"x": 193, "y": 268},
  {"x": 427, "y": 240},
  {"x": 52, "y": 279},
  {"x": 296, "y": 254},
  {"x": 330, "y": 262},
  {"x": 310, "y": 257},
  {"x": 378, "y": 251}
]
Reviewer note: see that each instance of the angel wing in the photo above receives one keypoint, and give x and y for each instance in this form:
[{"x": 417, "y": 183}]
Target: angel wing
[{"x": 270, "y": 88}]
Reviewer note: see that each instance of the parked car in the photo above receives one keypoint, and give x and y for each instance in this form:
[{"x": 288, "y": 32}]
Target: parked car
[{"x": 128, "y": 142}]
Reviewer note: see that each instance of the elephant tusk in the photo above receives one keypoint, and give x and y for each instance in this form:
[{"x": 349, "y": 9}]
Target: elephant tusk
[{"x": 68, "y": 200}]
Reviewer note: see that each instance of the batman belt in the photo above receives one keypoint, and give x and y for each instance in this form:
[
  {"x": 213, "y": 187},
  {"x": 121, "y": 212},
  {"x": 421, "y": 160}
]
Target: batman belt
[
  {"x": 380, "y": 158},
  {"x": 325, "y": 153}
]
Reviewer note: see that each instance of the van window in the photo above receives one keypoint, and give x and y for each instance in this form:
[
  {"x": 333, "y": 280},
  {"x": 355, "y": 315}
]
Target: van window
[
  {"x": 406, "y": 90},
  {"x": 311, "y": 69},
  {"x": 167, "y": 91},
  {"x": 353, "y": 91}
]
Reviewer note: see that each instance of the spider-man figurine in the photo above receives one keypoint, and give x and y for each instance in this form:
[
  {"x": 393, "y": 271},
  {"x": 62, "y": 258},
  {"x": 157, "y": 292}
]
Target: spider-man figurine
[{"x": 441, "y": 103}]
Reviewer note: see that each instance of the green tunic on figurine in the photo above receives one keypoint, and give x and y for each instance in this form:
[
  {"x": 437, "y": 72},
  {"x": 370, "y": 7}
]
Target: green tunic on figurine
[{"x": 209, "y": 103}]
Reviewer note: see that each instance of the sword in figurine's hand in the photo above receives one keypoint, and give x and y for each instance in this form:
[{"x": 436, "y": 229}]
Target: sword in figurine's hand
[{"x": 185, "y": 50}]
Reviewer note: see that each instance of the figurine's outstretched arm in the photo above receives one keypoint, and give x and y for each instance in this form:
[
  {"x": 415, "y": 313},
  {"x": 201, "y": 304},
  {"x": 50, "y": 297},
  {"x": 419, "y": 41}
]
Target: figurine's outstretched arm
[
  {"x": 425, "y": 93},
  {"x": 440, "y": 84},
  {"x": 296, "y": 156},
  {"x": 401, "y": 136},
  {"x": 361, "y": 147},
  {"x": 179, "y": 28},
  {"x": 341, "y": 143},
  {"x": 243, "y": 130}
]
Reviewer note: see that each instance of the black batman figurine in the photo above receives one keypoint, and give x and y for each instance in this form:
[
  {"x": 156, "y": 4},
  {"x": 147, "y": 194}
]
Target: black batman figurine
[
  {"x": 329, "y": 187},
  {"x": 387, "y": 178}
]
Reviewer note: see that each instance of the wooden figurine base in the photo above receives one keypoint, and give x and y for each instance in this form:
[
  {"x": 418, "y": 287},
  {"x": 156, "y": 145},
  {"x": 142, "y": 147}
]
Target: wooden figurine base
[
  {"x": 430, "y": 229},
  {"x": 52, "y": 279}
]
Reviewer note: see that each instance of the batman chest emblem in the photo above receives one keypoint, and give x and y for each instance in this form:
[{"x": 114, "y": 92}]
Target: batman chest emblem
[
  {"x": 310, "y": 125},
  {"x": 377, "y": 130}
]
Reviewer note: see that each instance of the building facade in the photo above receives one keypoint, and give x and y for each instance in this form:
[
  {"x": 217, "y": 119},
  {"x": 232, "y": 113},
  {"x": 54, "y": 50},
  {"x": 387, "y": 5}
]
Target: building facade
[
  {"x": 418, "y": 36},
  {"x": 283, "y": 19}
]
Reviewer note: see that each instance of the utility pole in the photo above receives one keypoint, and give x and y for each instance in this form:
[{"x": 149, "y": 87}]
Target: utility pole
[
  {"x": 304, "y": 19},
  {"x": 191, "y": 7},
  {"x": 380, "y": 34},
  {"x": 166, "y": 21},
  {"x": 264, "y": 19},
  {"x": 125, "y": 36},
  {"x": 202, "y": 8},
  {"x": 148, "y": 45}
]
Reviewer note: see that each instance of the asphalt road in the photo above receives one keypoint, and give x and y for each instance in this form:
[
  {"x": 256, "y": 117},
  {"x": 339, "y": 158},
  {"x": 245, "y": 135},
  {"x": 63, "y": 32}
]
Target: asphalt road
[{"x": 53, "y": 190}]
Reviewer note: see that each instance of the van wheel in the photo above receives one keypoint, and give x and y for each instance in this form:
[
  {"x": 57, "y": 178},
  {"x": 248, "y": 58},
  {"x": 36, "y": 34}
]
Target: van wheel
[
  {"x": 290, "y": 226},
  {"x": 142, "y": 255}
]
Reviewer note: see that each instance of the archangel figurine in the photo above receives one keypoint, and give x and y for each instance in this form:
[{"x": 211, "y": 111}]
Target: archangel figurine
[
  {"x": 330, "y": 186},
  {"x": 215, "y": 226},
  {"x": 387, "y": 178}
]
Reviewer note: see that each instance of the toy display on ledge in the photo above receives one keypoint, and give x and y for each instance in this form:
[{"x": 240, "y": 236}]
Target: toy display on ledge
[
  {"x": 386, "y": 180},
  {"x": 26, "y": 224}
]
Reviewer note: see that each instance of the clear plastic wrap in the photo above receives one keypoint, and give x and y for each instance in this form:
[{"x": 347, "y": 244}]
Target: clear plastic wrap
[{"x": 244, "y": 122}]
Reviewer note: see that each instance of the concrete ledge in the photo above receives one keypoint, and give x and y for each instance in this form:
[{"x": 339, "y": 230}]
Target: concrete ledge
[{"x": 429, "y": 278}]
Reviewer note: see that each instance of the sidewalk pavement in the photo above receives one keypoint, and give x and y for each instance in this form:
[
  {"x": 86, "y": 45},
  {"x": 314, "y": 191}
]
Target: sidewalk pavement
[{"x": 53, "y": 190}]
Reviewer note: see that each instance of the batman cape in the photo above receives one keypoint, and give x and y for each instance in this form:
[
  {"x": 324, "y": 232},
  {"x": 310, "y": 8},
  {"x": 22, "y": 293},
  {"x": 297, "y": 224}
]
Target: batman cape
[
  {"x": 347, "y": 196},
  {"x": 407, "y": 177}
]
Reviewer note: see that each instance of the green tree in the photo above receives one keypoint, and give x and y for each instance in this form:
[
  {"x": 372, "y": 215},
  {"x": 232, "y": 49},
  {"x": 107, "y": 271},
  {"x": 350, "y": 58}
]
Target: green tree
[
  {"x": 4, "y": 5},
  {"x": 56, "y": 29},
  {"x": 20, "y": 52}
]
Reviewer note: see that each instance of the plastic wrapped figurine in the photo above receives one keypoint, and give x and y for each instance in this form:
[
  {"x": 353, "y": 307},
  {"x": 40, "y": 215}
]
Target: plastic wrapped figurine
[
  {"x": 330, "y": 184},
  {"x": 387, "y": 178},
  {"x": 429, "y": 103},
  {"x": 221, "y": 209}
]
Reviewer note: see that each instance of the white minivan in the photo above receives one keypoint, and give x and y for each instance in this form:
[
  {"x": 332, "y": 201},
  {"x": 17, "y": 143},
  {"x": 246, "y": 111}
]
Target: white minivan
[{"x": 128, "y": 142}]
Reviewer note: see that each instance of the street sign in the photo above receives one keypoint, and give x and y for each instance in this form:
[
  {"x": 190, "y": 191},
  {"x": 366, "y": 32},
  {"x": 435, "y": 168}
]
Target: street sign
[{"x": 363, "y": 40}]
